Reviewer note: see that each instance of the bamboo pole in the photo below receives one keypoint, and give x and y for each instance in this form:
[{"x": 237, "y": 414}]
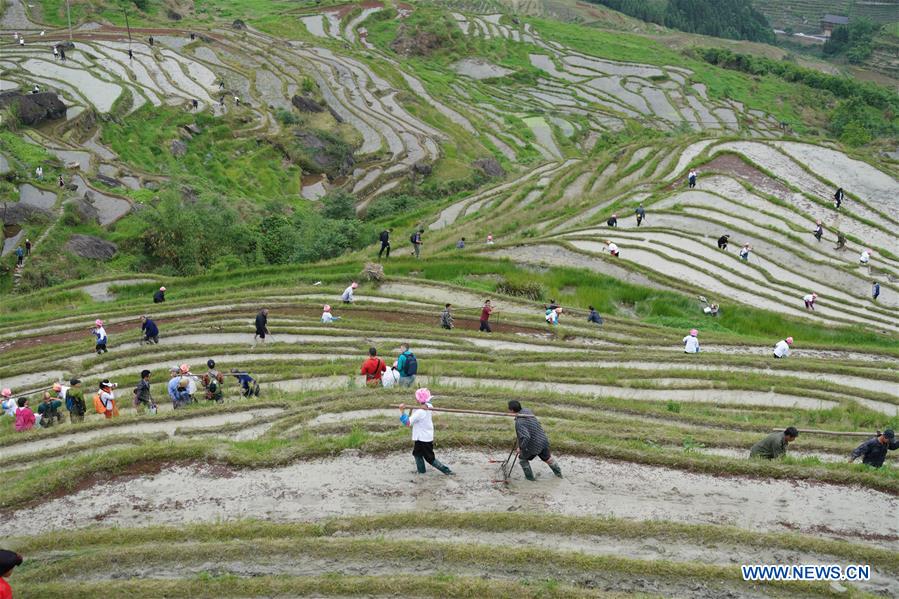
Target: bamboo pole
[
  {"x": 477, "y": 412},
  {"x": 810, "y": 431}
]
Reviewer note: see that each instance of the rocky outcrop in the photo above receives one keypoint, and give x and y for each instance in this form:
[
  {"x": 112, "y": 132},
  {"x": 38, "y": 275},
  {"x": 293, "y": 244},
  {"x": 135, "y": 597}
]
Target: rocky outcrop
[
  {"x": 239, "y": 25},
  {"x": 319, "y": 152},
  {"x": 174, "y": 16},
  {"x": 490, "y": 167},
  {"x": 17, "y": 213},
  {"x": 412, "y": 41},
  {"x": 304, "y": 104},
  {"x": 179, "y": 148},
  {"x": 422, "y": 168},
  {"x": 33, "y": 109},
  {"x": 94, "y": 248}
]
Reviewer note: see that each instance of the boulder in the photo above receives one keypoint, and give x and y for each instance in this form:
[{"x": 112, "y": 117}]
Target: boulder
[
  {"x": 490, "y": 167},
  {"x": 192, "y": 129},
  {"x": 94, "y": 248},
  {"x": 412, "y": 41},
  {"x": 85, "y": 209},
  {"x": 422, "y": 168},
  {"x": 179, "y": 148},
  {"x": 111, "y": 181},
  {"x": 304, "y": 104},
  {"x": 239, "y": 25},
  {"x": 17, "y": 213},
  {"x": 152, "y": 185},
  {"x": 324, "y": 155},
  {"x": 174, "y": 16},
  {"x": 33, "y": 109}
]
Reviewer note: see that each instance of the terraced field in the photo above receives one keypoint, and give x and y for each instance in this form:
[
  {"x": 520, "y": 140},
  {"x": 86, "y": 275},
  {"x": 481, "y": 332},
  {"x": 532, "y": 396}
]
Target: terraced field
[{"x": 309, "y": 489}]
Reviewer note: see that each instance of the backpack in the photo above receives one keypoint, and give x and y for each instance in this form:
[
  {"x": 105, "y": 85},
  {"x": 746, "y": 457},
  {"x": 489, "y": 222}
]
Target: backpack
[
  {"x": 384, "y": 236},
  {"x": 98, "y": 405},
  {"x": 412, "y": 238},
  {"x": 410, "y": 368}
]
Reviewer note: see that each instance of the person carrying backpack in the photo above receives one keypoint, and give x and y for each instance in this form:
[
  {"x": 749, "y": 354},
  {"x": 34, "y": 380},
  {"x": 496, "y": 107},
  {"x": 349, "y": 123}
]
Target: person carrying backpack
[
  {"x": 373, "y": 368},
  {"x": 407, "y": 365},
  {"x": 142, "y": 398},
  {"x": 104, "y": 400},
  {"x": 212, "y": 382},
  {"x": 75, "y": 401},
  {"x": 415, "y": 239},
  {"x": 385, "y": 242}
]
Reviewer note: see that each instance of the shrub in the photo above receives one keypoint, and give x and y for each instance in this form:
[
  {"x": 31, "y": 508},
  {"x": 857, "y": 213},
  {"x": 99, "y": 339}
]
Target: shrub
[{"x": 531, "y": 290}]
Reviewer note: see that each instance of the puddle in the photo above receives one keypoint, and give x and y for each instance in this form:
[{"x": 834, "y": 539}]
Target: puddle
[
  {"x": 99, "y": 292},
  {"x": 83, "y": 159},
  {"x": 479, "y": 69}
]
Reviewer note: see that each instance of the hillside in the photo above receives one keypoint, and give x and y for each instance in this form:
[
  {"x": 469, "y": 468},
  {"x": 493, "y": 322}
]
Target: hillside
[
  {"x": 523, "y": 129},
  {"x": 805, "y": 15}
]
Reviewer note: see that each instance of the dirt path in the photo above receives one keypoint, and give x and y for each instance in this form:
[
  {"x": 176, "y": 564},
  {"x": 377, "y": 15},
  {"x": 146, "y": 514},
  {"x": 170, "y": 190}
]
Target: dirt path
[{"x": 347, "y": 485}]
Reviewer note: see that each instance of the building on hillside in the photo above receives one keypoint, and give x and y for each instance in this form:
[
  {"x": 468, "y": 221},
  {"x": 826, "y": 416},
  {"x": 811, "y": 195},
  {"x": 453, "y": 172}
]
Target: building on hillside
[{"x": 829, "y": 22}]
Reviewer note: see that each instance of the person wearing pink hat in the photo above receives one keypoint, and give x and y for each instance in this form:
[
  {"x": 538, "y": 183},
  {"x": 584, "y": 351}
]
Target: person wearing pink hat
[
  {"x": 102, "y": 338},
  {"x": 691, "y": 342},
  {"x": 347, "y": 297},
  {"x": 810, "y": 301},
  {"x": 422, "y": 432},
  {"x": 159, "y": 296},
  {"x": 327, "y": 317},
  {"x": 7, "y": 403},
  {"x": 782, "y": 349}
]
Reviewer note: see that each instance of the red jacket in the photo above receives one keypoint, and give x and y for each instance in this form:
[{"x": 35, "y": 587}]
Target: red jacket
[{"x": 372, "y": 369}]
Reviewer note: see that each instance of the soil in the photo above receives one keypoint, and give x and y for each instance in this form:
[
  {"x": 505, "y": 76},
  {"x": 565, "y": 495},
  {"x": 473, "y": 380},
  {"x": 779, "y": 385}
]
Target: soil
[{"x": 347, "y": 485}]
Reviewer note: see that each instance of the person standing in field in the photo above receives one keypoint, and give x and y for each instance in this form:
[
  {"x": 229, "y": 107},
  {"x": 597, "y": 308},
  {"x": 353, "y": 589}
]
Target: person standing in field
[
  {"x": 373, "y": 368},
  {"x": 149, "y": 330},
  {"x": 745, "y": 251},
  {"x": 385, "y": 242},
  {"x": 874, "y": 451},
  {"x": 143, "y": 400},
  {"x": 446, "y": 319},
  {"x": 261, "y": 325},
  {"x": 532, "y": 441},
  {"x": 28, "y": 241},
  {"x": 641, "y": 214},
  {"x": 8, "y": 561},
  {"x": 875, "y": 290},
  {"x": 102, "y": 338},
  {"x": 486, "y": 311},
  {"x": 838, "y": 197},
  {"x": 819, "y": 231},
  {"x": 416, "y": 242},
  {"x": 20, "y": 256},
  {"x": 691, "y": 178},
  {"x": 75, "y": 402},
  {"x": 774, "y": 445},
  {"x": 422, "y": 433},
  {"x": 407, "y": 365}
]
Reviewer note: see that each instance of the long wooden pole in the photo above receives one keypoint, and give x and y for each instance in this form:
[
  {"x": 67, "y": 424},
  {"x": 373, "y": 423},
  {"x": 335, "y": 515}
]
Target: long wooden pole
[
  {"x": 810, "y": 431},
  {"x": 477, "y": 412}
]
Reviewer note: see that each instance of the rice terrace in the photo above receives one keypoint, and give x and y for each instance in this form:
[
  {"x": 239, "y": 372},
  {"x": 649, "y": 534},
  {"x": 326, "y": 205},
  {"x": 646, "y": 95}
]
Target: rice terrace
[{"x": 462, "y": 298}]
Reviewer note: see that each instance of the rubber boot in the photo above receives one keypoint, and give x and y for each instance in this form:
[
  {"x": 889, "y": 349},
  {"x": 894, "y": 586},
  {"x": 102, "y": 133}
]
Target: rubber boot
[
  {"x": 554, "y": 466},
  {"x": 420, "y": 464},
  {"x": 526, "y": 467},
  {"x": 442, "y": 467}
]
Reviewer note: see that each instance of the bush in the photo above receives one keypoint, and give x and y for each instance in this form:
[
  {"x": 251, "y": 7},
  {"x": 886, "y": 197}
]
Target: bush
[
  {"x": 528, "y": 289},
  {"x": 339, "y": 205},
  {"x": 286, "y": 117}
]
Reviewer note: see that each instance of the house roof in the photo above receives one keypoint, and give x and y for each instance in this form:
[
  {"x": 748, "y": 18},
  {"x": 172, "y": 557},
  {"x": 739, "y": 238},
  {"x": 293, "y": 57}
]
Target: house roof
[{"x": 835, "y": 19}]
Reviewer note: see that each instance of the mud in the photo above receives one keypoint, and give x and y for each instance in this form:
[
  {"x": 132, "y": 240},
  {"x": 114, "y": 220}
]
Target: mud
[
  {"x": 347, "y": 485},
  {"x": 99, "y": 292}
]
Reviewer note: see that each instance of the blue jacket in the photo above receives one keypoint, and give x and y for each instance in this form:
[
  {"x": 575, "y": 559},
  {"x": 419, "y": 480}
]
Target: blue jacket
[
  {"x": 873, "y": 453},
  {"x": 401, "y": 362},
  {"x": 150, "y": 329},
  {"x": 173, "y": 387}
]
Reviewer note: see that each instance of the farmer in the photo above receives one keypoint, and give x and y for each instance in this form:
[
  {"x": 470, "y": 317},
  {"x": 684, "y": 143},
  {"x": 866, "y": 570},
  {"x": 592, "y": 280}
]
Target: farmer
[
  {"x": 130, "y": 54},
  {"x": 819, "y": 230},
  {"x": 406, "y": 365},
  {"x": 75, "y": 402},
  {"x": 184, "y": 369},
  {"x": 874, "y": 451},
  {"x": 373, "y": 368},
  {"x": 182, "y": 393},
  {"x": 261, "y": 325},
  {"x": 782, "y": 349},
  {"x": 55, "y": 52},
  {"x": 24, "y": 416},
  {"x": 552, "y": 316},
  {"x": 691, "y": 342},
  {"x": 490, "y": 239},
  {"x": 347, "y": 297},
  {"x": 460, "y": 245},
  {"x": 327, "y": 317},
  {"x": 865, "y": 256},
  {"x": 810, "y": 301},
  {"x": 385, "y": 242},
  {"x": 102, "y": 338},
  {"x": 149, "y": 330},
  {"x": 8, "y": 404},
  {"x": 613, "y": 248},
  {"x": 594, "y": 316},
  {"x": 422, "y": 432},
  {"x": 8, "y": 561},
  {"x": 446, "y": 319},
  {"x": 159, "y": 296},
  {"x": 49, "y": 410},
  {"x": 691, "y": 178},
  {"x": 20, "y": 256},
  {"x": 711, "y": 310},
  {"x": 28, "y": 241},
  {"x": 774, "y": 445},
  {"x": 875, "y": 290},
  {"x": 745, "y": 251},
  {"x": 613, "y": 221},
  {"x": 415, "y": 239},
  {"x": 172, "y": 387},
  {"x": 641, "y": 214},
  {"x": 532, "y": 441},
  {"x": 841, "y": 241},
  {"x": 838, "y": 196},
  {"x": 722, "y": 242},
  {"x": 62, "y": 57},
  {"x": 248, "y": 385},
  {"x": 106, "y": 400},
  {"x": 212, "y": 383},
  {"x": 486, "y": 311},
  {"x": 142, "y": 398}
]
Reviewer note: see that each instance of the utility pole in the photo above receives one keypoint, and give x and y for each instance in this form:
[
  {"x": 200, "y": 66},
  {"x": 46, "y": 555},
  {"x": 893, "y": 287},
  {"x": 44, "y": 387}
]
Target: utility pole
[
  {"x": 125, "y": 10},
  {"x": 69, "y": 15}
]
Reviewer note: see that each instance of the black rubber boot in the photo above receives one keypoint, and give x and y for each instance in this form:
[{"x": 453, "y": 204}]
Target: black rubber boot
[
  {"x": 526, "y": 467},
  {"x": 420, "y": 464},
  {"x": 554, "y": 466},
  {"x": 442, "y": 467}
]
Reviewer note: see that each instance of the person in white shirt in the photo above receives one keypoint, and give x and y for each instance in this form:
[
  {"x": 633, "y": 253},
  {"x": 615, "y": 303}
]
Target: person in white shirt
[
  {"x": 8, "y": 404},
  {"x": 782, "y": 349},
  {"x": 422, "y": 432},
  {"x": 327, "y": 317},
  {"x": 613, "y": 248},
  {"x": 865, "y": 257},
  {"x": 348, "y": 297},
  {"x": 390, "y": 377},
  {"x": 744, "y": 252},
  {"x": 107, "y": 398},
  {"x": 810, "y": 301},
  {"x": 691, "y": 342}
]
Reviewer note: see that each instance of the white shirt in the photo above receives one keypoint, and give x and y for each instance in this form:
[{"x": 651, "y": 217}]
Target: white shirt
[
  {"x": 390, "y": 378},
  {"x": 10, "y": 406},
  {"x": 782, "y": 349},
  {"x": 101, "y": 333},
  {"x": 864, "y": 257},
  {"x": 691, "y": 345},
  {"x": 107, "y": 399},
  {"x": 808, "y": 298},
  {"x": 327, "y": 317},
  {"x": 744, "y": 252},
  {"x": 347, "y": 294},
  {"x": 613, "y": 247},
  {"x": 422, "y": 426}
]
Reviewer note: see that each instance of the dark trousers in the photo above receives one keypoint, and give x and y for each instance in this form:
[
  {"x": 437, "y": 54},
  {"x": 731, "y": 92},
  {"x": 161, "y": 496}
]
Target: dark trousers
[
  {"x": 101, "y": 347},
  {"x": 639, "y": 220},
  {"x": 692, "y": 183},
  {"x": 424, "y": 450},
  {"x": 544, "y": 455},
  {"x": 485, "y": 327},
  {"x": 19, "y": 260},
  {"x": 384, "y": 246},
  {"x": 153, "y": 339}
]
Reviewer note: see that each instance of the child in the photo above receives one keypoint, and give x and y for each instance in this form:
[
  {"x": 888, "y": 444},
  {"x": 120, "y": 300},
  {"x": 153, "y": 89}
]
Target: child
[
  {"x": 422, "y": 432},
  {"x": 24, "y": 416},
  {"x": 100, "y": 333},
  {"x": 691, "y": 342},
  {"x": 348, "y": 297},
  {"x": 10, "y": 405},
  {"x": 327, "y": 317},
  {"x": 8, "y": 561}
]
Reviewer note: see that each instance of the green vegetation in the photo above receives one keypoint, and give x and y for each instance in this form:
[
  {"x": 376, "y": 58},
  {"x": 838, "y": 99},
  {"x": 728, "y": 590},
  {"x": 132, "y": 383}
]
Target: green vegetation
[
  {"x": 734, "y": 19},
  {"x": 854, "y": 40}
]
